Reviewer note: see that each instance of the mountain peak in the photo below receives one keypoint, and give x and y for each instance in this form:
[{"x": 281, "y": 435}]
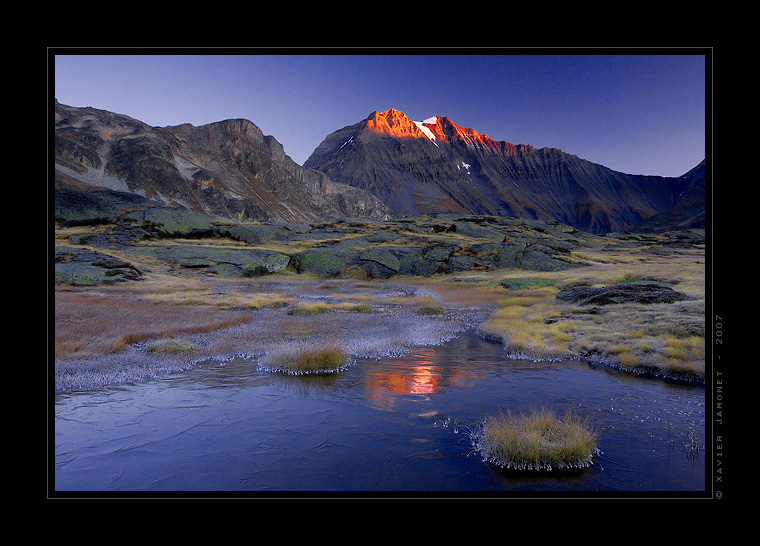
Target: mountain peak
[
  {"x": 397, "y": 124},
  {"x": 394, "y": 123}
]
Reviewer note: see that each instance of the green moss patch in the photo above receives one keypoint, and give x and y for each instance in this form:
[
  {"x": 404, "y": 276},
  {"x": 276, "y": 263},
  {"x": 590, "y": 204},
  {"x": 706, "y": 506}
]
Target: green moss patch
[{"x": 527, "y": 283}]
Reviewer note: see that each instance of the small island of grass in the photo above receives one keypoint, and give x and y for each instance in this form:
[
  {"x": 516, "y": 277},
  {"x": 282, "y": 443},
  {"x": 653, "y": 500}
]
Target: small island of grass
[
  {"x": 306, "y": 361},
  {"x": 537, "y": 441}
]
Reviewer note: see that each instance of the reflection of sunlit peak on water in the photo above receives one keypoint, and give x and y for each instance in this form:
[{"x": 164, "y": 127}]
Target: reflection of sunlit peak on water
[
  {"x": 406, "y": 380},
  {"x": 424, "y": 381},
  {"x": 423, "y": 357},
  {"x": 233, "y": 428}
]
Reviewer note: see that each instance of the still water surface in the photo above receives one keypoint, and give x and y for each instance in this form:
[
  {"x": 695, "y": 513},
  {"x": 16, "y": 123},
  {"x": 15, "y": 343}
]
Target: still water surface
[{"x": 392, "y": 425}]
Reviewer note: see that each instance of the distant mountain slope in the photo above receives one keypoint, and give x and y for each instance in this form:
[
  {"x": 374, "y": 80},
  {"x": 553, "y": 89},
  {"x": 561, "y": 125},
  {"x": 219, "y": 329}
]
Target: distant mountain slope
[
  {"x": 689, "y": 210},
  {"x": 420, "y": 167},
  {"x": 227, "y": 169}
]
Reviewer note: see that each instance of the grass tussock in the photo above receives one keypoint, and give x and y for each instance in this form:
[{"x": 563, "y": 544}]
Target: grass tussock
[
  {"x": 306, "y": 361},
  {"x": 536, "y": 441},
  {"x": 431, "y": 310},
  {"x": 171, "y": 346},
  {"x": 526, "y": 329},
  {"x": 663, "y": 339},
  {"x": 314, "y": 308}
]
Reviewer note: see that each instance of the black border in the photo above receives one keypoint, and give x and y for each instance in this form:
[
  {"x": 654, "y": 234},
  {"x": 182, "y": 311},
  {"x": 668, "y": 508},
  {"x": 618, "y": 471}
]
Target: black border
[{"x": 714, "y": 352}]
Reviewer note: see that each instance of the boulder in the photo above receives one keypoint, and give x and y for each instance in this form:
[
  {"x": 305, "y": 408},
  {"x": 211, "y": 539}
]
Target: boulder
[
  {"x": 470, "y": 229},
  {"x": 84, "y": 267},
  {"x": 432, "y": 260},
  {"x": 173, "y": 222},
  {"x": 383, "y": 256},
  {"x": 646, "y": 293},
  {"x": 326, "y": 261},
  {"x": 223, "y": 261},
  {"x": 115, "y": 236},
  {"x": 95, "y": 207},
  {"x": 542, "y": 258},
  {"x": 256, "y": 234},
  {"x": 456, "y": 264}
]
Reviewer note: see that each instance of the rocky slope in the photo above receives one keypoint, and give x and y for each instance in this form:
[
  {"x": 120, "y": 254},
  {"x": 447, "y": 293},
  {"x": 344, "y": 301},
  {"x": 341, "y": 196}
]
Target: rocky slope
[
  {"x": 228, "y": 169},
  {"x": 437, "y": 166}
]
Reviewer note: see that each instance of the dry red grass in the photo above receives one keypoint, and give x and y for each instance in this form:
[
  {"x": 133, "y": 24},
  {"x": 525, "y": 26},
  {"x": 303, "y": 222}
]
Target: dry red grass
[{"x": 88, "y": 324}]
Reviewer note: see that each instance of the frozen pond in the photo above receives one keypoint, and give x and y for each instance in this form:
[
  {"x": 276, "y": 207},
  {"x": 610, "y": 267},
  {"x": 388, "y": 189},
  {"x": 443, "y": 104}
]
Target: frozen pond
[{"x": 388, "y": 425}]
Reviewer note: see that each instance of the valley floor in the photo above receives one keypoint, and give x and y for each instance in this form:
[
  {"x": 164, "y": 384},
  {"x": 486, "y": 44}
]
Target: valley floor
[{"x": 174, "y": 316}]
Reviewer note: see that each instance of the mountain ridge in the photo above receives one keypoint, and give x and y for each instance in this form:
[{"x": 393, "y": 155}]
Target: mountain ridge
[
  {"x": 438, "y": 166},
  {"x": 383, "y": 166},
  {"x": 228, "y": 169}
]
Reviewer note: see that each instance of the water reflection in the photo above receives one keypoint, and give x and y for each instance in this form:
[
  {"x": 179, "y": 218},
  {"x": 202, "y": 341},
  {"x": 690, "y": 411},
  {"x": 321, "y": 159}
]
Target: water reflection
[
  {"x": 423, "y": 372},
  {"x": 232, "y": 427},
  {"x": 414, "y": 375}
]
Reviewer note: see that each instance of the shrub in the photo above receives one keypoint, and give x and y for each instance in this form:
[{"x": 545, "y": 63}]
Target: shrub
[{"x": 538, "y": 441}]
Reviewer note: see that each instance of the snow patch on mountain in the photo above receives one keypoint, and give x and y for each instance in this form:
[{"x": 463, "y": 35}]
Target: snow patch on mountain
[{"x": 428, "y": 133}]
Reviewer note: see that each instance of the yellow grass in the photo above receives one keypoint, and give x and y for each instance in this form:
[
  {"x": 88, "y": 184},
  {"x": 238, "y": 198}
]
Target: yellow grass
[
  {"x": 660, "y": 338},
  {"x": 536, "y": 441},
  {"x": 308, "y": 308},
  {"x": 309, "y": 360}
]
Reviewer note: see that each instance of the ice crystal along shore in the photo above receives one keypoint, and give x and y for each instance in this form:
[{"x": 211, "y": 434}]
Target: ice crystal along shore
[{"x": 273, "y": 338}]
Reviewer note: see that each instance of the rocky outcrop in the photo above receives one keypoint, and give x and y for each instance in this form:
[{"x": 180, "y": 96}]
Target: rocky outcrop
[
  {"x": 460, "y": 243},
  {"x": 74, "y": 207},
  {"x": 222, "y": 261},
  {"x": 436, "y": 166},
  {"x": 228, "y": 169},
  {"x": 84, "y": 267},
  {"x": 355, "y": 247},
  {"x": 644, "y": 292}
]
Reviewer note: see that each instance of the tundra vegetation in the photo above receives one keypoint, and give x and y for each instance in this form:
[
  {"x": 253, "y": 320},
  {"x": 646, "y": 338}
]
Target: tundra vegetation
[{"x": 544, "y": 290}]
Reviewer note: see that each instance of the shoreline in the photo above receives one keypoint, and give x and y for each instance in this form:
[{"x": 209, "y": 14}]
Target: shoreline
[
  {"x": 628, "y": 301},
  {"x": 389, "y": 328},
  {"x": 382, "y": 332}
]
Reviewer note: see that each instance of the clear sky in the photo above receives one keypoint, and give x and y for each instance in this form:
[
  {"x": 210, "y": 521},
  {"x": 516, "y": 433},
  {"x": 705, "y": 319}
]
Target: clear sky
[{"x": 638, "y": 114}]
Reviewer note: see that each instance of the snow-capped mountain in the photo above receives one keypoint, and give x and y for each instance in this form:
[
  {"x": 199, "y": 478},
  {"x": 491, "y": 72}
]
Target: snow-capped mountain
[{"x": 435, "y": 165}]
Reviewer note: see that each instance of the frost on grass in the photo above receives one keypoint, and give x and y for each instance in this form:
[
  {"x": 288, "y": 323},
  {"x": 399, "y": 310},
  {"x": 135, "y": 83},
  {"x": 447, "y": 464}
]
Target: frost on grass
[
  {"x": 537, "y": 441},
  {"x": 272, "y": 332},
  {"x": 131, "y": 366}
]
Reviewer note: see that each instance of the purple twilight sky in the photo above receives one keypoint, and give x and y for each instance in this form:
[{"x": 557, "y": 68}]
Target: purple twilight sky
[{"x": 638, "y": 114}]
